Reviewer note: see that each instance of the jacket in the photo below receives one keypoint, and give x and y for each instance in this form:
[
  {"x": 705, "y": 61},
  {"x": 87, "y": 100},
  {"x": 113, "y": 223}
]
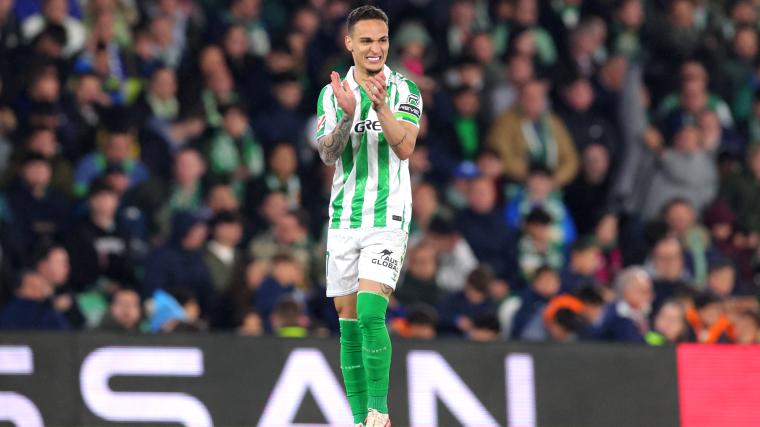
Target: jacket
[{"x": 507, "y": 138}]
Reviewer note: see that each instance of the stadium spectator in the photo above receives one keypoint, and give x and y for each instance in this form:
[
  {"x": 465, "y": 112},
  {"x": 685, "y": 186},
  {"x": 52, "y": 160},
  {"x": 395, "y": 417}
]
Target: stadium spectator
[
  {"x": 219, "y": 89},
  {"x": 56, "y": 12},
  {"x": 681, "y": 219},
  {"x": 462, "y": 25},
  {"x": 485, "y": 328},
  {"x": 415, "y": 54},
  {"x": 536, "y": 247},
  {"x": 588, "y": 197},
  {"x": 747, "y": 327},
  {"x": 460, "y": 309},
  {"x": 529, "y": 133},
  {"x": 84, "y": 112},
  {"x": 159, "y": 199},
  {"x": 519, "y": 71},
  {"x": 740, "y": 190},
  {"x": 582, "y": 266},
  {"x": 289, "y": 319},
  {"x": 606, "y": 236},
  {"x": 37, "y": 211},
  {"x": 483, "y": 227},
  {"x": 626, "y": 318},
  {"x": 727, "y": 241},
  {"x": 570, "y": 318},
  {"x": 251, "y": 324},
  {"x": 687, "y": 170},
  {"x": 248, "y": 14},
  {"x": 283, "y": 120},
  {"x": 667, "y": 266},
  {"x": 585, "y": 125},
  {"x": 586, "y": 50},
  {"x": 739, "y": 66},
  {"x": 708, "y": 322},
  {"x": 418, "y": 284},
  {"x": 32, "y": 306},
  {"x": 669, "y": 326},
  {"x": 178, "y": 264},
  {"x": 118, "y": 151},
  {"x": 224, "y": 260},
  {"x": 236, "y": 305},
  {"x": 525, "y": 15},
  {"x": 100, "y": 245},
  {"x": 684, "y": 108},
  {"x": 721, "y": 278},
  {"x": 286, "y": 274},
  {"x": 166, "y": 124},
  {"x": 234, "y": 154},
  {"x": 124, "y": 313},
  {"x": 625, "y": 38},
  {"x": 541, "y": 192},
  {"x": 455, "y": 257},
  {"x": 426, "y": 207},
  {"x": 44, "y": 142},
  {"x": 466, "y": 130},
  {"x": 51, "y": 261},
  {"x": 422, "y": 321},
  {"x": 281, "y": 176},
  {"x": 290, "y": 234},
  {"x": 528, "y": 322},
  {"x": 727, "y": 140}
]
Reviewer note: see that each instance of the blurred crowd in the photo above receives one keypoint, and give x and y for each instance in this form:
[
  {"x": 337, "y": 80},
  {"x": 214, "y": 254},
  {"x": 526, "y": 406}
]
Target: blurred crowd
[{"x": 585, "y": 169}]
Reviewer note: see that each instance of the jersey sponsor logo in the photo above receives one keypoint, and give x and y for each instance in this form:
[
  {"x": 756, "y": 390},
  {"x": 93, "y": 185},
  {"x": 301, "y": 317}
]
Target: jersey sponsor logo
[
  {"x": 385, "y": 260},
  {"x": 411, "y": 109},
  {"x": 363, "y": 125},
  {"x": 413, "y": 100}
]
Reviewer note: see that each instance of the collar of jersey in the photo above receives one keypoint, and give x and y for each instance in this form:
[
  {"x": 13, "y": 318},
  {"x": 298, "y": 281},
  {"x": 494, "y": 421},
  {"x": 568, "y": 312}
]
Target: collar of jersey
[{"x": 353, "y": 84}]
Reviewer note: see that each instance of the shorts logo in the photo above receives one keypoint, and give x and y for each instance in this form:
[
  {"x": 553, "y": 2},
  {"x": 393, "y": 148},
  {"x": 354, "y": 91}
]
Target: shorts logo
[{"x": 385, "y": 260}]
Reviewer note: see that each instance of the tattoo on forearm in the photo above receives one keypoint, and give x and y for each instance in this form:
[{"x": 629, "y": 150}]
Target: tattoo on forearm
[{"x": 331, "y": 146}]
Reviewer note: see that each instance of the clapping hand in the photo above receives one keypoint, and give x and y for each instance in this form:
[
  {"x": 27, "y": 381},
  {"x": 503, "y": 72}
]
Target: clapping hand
[
  {"x": 375, "y": 87},
  {"x": 343, "y": 94}
]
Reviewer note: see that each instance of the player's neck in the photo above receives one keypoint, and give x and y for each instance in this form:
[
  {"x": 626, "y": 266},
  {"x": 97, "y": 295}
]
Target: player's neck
[{"x": 361, "y": 75}]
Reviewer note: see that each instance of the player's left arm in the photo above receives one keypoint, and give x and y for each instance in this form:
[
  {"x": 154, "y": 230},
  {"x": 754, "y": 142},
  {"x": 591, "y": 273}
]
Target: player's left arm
[{"x": 401, "y": 135}]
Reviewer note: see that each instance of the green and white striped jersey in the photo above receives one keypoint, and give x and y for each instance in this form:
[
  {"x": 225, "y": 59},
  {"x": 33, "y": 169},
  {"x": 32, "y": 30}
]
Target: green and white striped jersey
[{"x": 371, "y": 187}]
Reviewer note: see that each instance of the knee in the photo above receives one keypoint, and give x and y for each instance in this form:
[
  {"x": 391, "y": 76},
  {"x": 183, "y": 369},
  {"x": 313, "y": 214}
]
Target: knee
[
  {"x": 369, "y": 318},
  {"x": 346, "y": 306},
  {"x": 347, "y": 312}
]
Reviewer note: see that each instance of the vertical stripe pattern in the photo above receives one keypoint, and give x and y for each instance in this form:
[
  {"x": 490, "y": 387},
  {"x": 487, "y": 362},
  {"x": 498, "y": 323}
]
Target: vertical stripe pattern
[
  {"x": 361, "y": 165},
  {"x": 371, "y": 185}
]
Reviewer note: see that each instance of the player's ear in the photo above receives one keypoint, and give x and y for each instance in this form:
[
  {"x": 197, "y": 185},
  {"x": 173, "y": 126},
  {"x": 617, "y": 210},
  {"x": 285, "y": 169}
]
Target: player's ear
[{"x": 349, "y": 46}]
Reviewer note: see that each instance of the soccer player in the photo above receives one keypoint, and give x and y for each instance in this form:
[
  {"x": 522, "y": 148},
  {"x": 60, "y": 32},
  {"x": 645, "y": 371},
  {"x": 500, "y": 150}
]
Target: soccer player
[{"x": 367, "y": 127}]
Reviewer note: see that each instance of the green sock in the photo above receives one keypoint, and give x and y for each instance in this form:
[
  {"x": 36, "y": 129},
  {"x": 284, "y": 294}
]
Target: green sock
[
  {"x": 371, "y": 309},
  {"x": 352, "y": 366}
]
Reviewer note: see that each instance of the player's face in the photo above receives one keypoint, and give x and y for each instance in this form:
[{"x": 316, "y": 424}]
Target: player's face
[{"x": 368, "y": 43}]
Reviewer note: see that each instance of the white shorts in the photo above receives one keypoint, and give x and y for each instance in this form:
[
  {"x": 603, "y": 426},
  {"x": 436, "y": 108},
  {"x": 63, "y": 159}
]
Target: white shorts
[{"x": 363, "y": 253}]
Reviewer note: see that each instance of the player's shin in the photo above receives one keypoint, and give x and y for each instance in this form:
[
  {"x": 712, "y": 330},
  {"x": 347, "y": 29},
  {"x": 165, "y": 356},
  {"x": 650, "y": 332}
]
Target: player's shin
[
  {"x": 371, "y": 308},
  {"x": 352, "y": 366}
]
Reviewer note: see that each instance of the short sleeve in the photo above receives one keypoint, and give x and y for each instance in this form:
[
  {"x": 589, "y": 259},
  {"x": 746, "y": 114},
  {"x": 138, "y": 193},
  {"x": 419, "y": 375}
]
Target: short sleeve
[
  {"x": 409, "y": 107},
  {"x": 326, "y": 116}
]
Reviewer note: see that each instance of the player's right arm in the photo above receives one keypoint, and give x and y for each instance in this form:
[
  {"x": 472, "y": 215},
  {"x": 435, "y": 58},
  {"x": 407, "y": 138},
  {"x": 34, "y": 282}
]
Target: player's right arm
[{"x": 330, "y": 145}]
